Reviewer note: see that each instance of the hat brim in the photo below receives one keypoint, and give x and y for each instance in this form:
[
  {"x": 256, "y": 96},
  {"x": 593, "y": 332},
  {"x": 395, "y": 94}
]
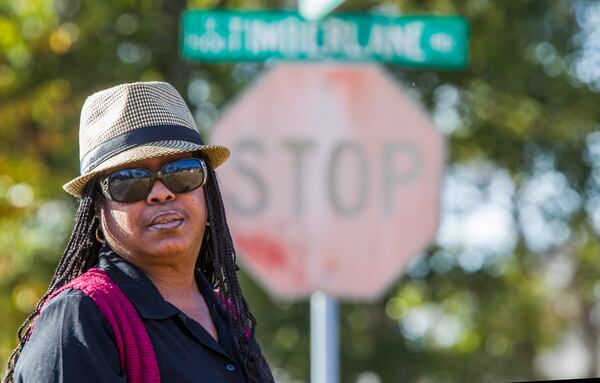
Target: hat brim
[{"x": 216, "y": 155}]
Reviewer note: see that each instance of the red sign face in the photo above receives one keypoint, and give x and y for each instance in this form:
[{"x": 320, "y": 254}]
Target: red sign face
[{"x": 334, "y": 179}]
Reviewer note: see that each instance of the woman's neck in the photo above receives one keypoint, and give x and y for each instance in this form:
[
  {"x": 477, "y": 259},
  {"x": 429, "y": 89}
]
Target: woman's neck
[
  {"x": 173, "y": 283},
  {"x": 172, "y": 275}
]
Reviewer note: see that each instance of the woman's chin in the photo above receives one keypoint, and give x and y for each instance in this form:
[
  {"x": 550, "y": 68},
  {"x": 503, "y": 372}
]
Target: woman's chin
[{"x": 172, "y": 247}]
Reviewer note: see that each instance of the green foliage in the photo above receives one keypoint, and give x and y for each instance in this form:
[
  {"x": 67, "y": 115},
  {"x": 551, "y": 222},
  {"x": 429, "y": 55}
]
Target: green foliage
[{"x": 462, "y": 313}]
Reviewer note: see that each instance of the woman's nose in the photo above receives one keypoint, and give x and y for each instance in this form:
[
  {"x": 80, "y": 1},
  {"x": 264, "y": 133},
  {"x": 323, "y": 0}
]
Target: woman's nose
[{"x": 159, "y": 193}]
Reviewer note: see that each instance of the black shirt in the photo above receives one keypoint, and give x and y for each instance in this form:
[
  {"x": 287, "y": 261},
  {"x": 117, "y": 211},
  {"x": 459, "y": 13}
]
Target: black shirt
[{"x": 73, "y": 342}]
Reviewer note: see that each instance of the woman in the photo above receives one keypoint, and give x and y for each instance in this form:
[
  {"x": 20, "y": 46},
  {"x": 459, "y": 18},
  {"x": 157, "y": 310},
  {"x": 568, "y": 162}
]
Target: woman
[{"x": 146, "y": 289}]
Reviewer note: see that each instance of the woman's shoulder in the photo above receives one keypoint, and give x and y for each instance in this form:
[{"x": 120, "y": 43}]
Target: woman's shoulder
[
  {"x": 69, "y": 340},
  {"x": 68, "y": 305},
  {"x": 67, "y": 298},
  {"x": 75, "y": 299},
  {"x": 67, "y": 313}
]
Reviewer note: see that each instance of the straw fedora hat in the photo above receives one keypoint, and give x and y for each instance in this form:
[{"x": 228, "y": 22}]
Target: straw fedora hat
[{"x": 132, "y": 122}]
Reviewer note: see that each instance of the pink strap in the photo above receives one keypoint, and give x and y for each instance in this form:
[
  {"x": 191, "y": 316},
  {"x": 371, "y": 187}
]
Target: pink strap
[{"x": 136, "y": 352}]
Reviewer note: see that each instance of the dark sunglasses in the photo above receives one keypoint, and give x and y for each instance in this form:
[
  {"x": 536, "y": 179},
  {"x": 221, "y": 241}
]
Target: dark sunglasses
[{"x": 131, "y": 185}]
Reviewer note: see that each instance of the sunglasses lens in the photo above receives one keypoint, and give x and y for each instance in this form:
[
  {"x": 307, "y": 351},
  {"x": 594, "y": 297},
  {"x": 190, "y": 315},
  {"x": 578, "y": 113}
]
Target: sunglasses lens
[
  {"x": 129, "y": 185},
  {"x": 183, "y": 175}
]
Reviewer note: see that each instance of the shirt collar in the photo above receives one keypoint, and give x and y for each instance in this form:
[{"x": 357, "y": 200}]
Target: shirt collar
[
  {"x": 140, "y": 290},
  {"x": 146, "y": 298}
]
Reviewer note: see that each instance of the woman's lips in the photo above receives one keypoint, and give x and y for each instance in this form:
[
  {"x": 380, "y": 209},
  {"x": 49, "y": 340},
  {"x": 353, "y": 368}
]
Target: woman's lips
[
  {"x": 166, "y": 221},
  {"x": 167, "y": 225}
]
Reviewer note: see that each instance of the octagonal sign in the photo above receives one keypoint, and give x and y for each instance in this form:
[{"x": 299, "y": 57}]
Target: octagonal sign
[{"x": 334, "y": 179}]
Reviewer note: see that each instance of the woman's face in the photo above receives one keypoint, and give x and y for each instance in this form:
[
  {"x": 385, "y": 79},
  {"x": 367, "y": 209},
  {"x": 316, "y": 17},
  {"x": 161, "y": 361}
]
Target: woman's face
[{"x": 163, "y": 228}]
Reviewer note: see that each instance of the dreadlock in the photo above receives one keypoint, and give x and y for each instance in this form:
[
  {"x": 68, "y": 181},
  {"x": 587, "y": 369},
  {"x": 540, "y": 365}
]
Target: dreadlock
[{"x": 216, "y": 260}]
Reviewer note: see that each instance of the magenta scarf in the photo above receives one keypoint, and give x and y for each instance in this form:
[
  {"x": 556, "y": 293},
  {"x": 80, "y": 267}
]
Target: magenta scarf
[{"x": 136, "y": 353}]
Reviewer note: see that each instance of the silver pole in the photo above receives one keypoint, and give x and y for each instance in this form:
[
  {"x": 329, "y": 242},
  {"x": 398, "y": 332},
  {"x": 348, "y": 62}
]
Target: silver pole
[{"x": 324, "y": 342}]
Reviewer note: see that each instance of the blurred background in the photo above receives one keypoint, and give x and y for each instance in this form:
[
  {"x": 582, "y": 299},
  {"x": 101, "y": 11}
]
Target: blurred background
[{"x": 510, "y": 287}]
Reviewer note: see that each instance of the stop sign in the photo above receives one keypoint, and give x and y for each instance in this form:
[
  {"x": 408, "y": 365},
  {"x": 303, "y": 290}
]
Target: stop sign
[{"x": 334, "y": 179}]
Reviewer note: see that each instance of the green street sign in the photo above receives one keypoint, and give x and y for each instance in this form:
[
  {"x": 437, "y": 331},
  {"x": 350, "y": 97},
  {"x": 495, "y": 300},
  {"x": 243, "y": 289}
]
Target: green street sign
[{"x": 418, "y": 41}]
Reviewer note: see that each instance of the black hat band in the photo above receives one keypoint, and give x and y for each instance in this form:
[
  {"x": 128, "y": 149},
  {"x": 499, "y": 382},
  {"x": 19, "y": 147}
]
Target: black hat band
[{"x": 135, "y": 138}]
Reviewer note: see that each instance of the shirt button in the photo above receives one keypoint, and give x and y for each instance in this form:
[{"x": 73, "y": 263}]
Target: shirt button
[{"x": 230, "y": 367}]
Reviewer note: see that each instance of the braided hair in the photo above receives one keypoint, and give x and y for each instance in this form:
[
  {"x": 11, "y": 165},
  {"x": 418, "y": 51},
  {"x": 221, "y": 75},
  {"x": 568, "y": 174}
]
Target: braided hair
[{"x": 216, "y": 260}]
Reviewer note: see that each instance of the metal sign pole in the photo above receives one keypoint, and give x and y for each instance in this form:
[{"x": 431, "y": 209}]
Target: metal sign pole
[{"x": 324, "y": 341}]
